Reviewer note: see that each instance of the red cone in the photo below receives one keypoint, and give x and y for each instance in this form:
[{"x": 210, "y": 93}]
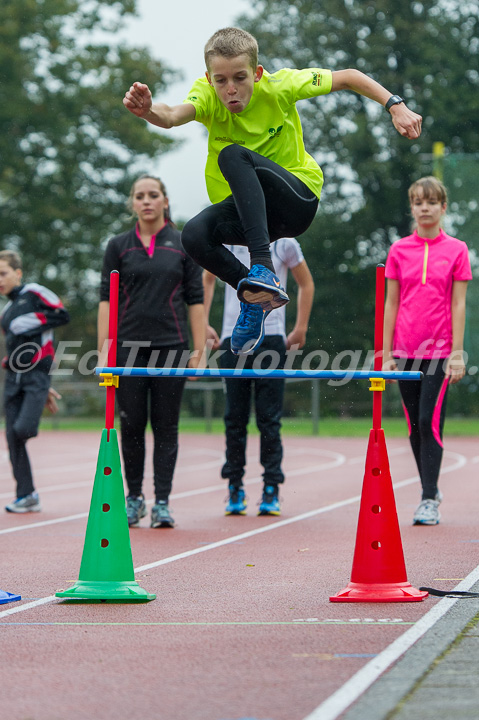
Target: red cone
[{"x": 379, "y": 572}]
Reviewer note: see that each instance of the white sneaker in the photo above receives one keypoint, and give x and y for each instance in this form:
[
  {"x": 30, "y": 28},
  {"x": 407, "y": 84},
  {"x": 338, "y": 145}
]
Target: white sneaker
[
  {"x": 28, "y": 503},
  {"x": 427, "y": 512}
]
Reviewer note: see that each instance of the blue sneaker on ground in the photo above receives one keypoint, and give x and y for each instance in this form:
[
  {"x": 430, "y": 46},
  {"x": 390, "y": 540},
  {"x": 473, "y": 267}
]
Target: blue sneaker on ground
[
  {"x": 262, "y": 287},
  {"x": 161, "y": 516},
  {"x": 248, "y": 333},
  {"x": 236, "y": 504},
  {"x": 135, "y": 509},
  {"x": 269, "y": 504}
]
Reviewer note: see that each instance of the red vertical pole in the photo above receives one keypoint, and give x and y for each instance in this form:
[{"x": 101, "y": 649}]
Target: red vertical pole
[
  {"x": 112, "y": 342},
  {"x": 378, "y": 342}
]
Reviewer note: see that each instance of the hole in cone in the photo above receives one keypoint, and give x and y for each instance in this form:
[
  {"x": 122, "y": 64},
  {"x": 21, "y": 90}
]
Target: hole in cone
[
  {"x": 105, "y": 507},
  {"x": 104, "y": 543},
  {"x": 107, "y": 471},
  {"x": 375, "y": 545},
  {"x": 376, "y": 471},
  {"x": 376, "y": 509}
]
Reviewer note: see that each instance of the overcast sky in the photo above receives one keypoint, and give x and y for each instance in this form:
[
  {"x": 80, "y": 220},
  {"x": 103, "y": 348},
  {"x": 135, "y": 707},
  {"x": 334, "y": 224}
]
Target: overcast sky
[{"x": 176, "y": 32}]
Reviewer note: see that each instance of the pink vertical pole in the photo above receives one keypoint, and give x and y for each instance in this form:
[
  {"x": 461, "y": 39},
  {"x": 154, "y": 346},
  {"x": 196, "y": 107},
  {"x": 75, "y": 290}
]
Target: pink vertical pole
[
  {"x": 378, "y": 342},
  {"x": 112, "y": 342}
]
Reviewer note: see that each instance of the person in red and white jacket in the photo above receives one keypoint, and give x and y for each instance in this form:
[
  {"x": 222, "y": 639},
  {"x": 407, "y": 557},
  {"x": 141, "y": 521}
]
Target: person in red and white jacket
[{"x": 27, "y": 320}]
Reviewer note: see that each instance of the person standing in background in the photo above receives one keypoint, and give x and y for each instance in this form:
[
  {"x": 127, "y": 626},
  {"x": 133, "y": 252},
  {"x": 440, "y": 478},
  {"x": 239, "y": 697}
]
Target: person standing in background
[
  {"x": 160, "y": 290},
  {"x": 28, "y": 320},
  {"x": 268, "y": 393}
]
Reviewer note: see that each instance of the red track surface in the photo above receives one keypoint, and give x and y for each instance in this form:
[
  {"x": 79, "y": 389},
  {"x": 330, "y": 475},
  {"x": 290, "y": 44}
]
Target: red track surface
[{"x": 239, "y": 629}]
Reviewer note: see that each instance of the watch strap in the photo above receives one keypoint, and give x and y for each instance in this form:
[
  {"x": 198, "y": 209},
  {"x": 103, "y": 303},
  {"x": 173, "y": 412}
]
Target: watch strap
[{"x": 393, "y": 100}]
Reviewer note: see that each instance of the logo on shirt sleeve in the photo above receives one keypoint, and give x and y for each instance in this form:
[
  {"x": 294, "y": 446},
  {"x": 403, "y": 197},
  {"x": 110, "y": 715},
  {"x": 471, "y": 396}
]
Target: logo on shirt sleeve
[{"x": 317, "y": 78}]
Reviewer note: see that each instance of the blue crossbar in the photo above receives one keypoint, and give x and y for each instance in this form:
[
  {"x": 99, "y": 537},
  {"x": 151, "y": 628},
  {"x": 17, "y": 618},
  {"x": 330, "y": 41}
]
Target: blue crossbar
[{"x": 242, "y": 373}]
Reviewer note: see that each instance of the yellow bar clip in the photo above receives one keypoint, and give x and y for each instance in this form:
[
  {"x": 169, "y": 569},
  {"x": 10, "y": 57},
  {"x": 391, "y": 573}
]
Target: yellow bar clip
[
  {"x": 109, "y": 380},
  {"x": 377, "y": 384}
]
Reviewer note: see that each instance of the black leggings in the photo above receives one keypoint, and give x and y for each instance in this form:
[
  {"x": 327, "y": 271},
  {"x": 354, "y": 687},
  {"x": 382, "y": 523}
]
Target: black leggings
[
  {"x": 160, "y": 399},
  {"x": 424, "y": 405},
  {"x": 267, "y": 203}
]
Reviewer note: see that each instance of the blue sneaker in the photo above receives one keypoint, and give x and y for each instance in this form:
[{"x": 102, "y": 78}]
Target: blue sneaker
[
  {"x": 269, "y": 504},
  {"x": 262, "y": 287},
  {"x": 135, "y": 509},
  {"x": 236, "y": 504},
  {"x": 248, "y": 333},
  {"x": 161, "y": 516}
]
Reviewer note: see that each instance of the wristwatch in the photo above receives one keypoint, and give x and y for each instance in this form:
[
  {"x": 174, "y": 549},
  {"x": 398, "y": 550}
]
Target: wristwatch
[{"x": 393, "y": 100}]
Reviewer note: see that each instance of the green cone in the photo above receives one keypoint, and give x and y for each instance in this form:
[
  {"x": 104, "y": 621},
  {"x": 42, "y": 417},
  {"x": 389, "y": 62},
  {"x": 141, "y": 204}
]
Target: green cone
[{"x": 106, "y": 571}]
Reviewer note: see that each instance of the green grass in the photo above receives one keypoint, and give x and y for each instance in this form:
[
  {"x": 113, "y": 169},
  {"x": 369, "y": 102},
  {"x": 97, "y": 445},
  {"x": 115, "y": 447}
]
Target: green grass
[{"x": 328, "y": 427}]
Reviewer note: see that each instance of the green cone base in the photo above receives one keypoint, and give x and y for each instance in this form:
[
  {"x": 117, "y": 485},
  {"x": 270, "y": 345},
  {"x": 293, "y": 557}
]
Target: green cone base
[
  {"x": 106, "y": 570},
  {"x": 106, "y": 590}
]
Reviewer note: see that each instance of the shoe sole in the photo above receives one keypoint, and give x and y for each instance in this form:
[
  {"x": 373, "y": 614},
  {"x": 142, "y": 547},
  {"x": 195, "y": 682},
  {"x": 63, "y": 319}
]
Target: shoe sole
[
  {"x": 164, "y": 524},
  {"x": 22, "y": 511},
  {"x": 421, "y": 522},
  {"x": 277, "y": 513},
  {"x": 261, "y": 295},
  {"x": 235, "y": 512}
]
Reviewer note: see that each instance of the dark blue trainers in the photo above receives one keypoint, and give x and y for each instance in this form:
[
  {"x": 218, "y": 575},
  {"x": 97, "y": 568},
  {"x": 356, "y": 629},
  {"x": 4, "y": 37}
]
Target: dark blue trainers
[
  {"x": 248, "y": 333},
  {"x": 262, "y": 287},
  {"x": 269, "y": 504},
  {"x": 161, "y": 516},
  {"x": 236, "y": 504}
]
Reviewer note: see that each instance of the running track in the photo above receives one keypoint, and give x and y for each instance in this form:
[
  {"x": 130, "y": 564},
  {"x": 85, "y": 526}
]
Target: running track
[{"x": 242, "y": 626}]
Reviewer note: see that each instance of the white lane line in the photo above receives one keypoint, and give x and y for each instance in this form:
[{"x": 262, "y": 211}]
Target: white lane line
[
  {"x": 336, "y": 461},
  {"x": 28, "y": 606},
  {"x": 348, "y": 693},
  {"x": 248, "y": 534},
  {"x": 43, "y": 523}
]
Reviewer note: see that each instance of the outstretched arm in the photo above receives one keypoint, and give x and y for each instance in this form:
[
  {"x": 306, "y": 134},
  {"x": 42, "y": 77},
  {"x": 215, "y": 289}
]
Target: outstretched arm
[
  {"x": 138, "y": 100},
  {"x": 407, "y": 123}
]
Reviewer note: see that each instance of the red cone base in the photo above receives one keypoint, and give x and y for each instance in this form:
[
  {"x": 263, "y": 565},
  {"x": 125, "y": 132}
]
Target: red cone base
[
  {"x": 379, "y": 592},
  {"x": 379, "y": 572}
]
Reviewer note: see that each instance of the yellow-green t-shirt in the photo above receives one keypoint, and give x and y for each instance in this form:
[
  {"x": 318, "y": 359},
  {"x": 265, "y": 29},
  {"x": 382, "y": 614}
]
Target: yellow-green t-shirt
[{"x": 269, "y": 125}]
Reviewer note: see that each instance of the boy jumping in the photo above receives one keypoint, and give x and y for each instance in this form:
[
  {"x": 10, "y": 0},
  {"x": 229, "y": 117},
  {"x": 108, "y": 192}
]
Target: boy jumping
[{"x": 261, "y": 181}]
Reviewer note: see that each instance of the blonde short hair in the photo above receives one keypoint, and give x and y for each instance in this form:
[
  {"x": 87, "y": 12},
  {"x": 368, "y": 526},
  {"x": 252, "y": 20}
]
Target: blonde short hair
[
  {"x": 231, "y": 42},
  {"x": 431, "y": 187}
]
